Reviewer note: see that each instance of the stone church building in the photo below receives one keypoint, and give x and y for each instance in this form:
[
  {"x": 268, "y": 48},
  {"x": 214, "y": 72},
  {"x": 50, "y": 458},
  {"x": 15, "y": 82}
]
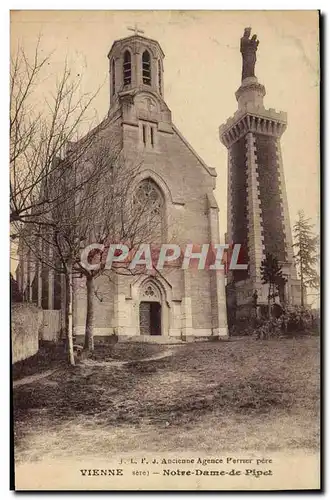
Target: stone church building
[{"x": 177, "y": 303}]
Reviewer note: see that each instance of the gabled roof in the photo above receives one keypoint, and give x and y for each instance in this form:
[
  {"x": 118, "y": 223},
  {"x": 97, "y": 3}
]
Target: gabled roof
[{"x": 210, "y": 170}]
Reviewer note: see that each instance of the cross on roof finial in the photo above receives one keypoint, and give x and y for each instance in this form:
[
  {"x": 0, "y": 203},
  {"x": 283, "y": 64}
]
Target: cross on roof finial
[{"x": 135, "y": 29}]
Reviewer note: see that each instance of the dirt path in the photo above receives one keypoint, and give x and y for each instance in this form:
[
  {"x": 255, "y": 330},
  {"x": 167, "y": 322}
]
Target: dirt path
[
  {"x": 89, "y": 362},
  {"x": 165, "y": 354},
  {"x": 33, "y": 378}
]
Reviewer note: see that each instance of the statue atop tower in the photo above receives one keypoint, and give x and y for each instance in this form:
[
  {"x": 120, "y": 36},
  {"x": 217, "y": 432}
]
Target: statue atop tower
[
  {"x": 258, "y": 215},
  {"x": 249, "y": 48}
]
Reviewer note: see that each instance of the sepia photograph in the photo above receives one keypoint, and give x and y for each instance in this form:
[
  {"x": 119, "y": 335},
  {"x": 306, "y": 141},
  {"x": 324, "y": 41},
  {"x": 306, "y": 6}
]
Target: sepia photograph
[{"x": 165, "y": 250}]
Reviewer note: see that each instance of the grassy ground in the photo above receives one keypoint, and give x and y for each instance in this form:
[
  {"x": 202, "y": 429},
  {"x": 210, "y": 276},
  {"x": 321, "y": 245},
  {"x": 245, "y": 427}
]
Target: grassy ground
[
  {"x": 44, "y": 360},
  {"x": 210, "y": 396}
]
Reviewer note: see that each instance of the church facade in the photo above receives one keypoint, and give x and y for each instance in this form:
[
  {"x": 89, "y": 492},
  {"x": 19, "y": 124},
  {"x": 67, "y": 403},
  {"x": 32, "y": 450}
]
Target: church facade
[{"x": 177, "y": 303}]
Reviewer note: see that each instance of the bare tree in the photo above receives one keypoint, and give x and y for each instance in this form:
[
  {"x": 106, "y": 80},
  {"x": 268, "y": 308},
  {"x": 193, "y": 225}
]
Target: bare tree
[
  {"x": 44, "y": 152},
  {"x": 118, "y": 215},
  {"x": 56, "y": 236},
  {"x": 105, "y": 209},
  {"x": 40, "y": 133},
  {"x": 66, "y": 191}
]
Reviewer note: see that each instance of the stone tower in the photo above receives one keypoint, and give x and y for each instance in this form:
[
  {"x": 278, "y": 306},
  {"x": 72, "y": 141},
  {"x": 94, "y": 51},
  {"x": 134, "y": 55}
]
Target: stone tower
[{"x": 258, "y": 216}]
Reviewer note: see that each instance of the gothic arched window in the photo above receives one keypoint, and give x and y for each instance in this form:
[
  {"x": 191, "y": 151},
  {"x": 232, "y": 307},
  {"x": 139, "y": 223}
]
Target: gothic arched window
[
  {"x": 127, "y": 68},
  {"x": 113, "y": 71},
  {"x": 160, "y": 77},
  {"x": 146, "y": 68},
  {"x": 148, "y": 203}
]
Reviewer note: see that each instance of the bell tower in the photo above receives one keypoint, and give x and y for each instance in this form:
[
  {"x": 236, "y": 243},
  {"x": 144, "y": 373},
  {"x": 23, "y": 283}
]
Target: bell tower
[
  {"x": 135, "y": 64},
  {"x": 137, "y": 92}
]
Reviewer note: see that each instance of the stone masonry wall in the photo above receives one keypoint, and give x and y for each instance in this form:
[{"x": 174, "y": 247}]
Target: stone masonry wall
[{"x": 270, "y": 196}]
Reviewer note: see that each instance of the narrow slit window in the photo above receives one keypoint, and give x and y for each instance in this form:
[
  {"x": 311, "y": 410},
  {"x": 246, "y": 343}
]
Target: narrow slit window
[
  {"x": 146, "y": 68},
  {"x": 113, "y": 77},
  {"x": 144, "y": 134},
  {"x": 127, "y": 68},
  {"x": 152, "y": 136},
  {"x": 160, "y": 77}
]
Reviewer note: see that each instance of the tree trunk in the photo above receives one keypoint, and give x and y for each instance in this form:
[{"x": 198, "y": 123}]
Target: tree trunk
[
  {"x": 74, "y": 307},
  {"x": 68, "y": 315},
  {"x": 269, "y": 304},
  {"x": 301, "y": 276},
  {"x": 302, "y": 287},
  {"x": 89, "y": 332}
]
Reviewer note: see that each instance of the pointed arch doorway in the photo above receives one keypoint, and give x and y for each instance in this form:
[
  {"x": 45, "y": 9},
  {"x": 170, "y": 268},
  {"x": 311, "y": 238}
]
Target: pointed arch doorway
[
  {"x": 150, "y": 318},
  {"x": 150, "y": 310}
]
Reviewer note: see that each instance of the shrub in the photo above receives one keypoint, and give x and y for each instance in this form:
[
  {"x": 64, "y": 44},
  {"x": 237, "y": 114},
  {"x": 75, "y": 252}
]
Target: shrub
[
  {"x": 297, "y": 318},
  {"x": 244, "y": 326},
  {"x": 270, "y": 328}
]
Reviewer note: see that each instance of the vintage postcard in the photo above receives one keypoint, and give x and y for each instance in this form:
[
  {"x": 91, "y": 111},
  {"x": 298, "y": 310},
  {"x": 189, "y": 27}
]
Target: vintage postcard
[{"x": 164, "y": 229}]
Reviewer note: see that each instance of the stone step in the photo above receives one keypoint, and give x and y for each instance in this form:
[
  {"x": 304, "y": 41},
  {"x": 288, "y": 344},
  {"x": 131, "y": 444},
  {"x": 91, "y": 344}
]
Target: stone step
[{"x": 152, "y": 339}]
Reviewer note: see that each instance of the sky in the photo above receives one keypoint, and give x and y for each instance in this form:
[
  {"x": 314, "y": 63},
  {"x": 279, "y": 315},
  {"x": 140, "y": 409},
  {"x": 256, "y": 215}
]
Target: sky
[{"x": 202, "y": 71}]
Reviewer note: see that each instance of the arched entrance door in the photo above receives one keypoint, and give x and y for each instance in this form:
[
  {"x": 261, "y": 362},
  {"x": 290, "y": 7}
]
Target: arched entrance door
[
  {"x": 150, "y": 318},
  {"x": 150, "y": 310}
]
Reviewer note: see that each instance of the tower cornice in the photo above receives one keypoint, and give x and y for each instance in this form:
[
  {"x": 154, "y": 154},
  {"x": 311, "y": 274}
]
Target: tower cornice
[{"x": 251, "y": 119}]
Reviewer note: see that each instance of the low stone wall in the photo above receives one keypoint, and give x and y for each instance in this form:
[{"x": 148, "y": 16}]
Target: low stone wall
[{"x": 26, "y": 321}]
